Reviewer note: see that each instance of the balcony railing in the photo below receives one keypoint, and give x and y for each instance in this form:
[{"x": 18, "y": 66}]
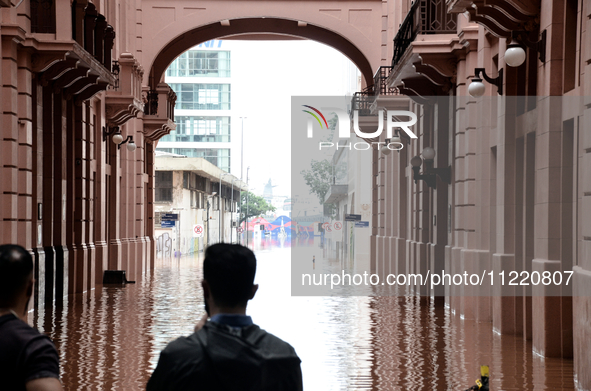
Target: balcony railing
[
  {"x": 379, "y": 82},
  {"x": 159, "y": 111},
  {"x": 424, "y": 17},
  {"x": 362, "y": 101}
]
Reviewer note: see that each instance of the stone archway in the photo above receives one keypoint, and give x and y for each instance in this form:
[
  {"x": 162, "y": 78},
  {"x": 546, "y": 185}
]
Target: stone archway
[{"x": 354, "y": 28}]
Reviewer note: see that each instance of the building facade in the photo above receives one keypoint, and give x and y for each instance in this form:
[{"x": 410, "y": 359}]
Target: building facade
[
  {"x": 78, "y": 75},
  {"x": 201, "y": 78},
  {"x": 507, "y": 188},
  {"x": 190, "y": 211}
]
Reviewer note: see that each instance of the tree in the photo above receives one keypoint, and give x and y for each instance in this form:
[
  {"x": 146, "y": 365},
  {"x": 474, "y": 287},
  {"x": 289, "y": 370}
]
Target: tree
[
  {"x": 321, "y": 173},
  {"x": 257, "y": 206},
  {"x": 319, "y": 178}
]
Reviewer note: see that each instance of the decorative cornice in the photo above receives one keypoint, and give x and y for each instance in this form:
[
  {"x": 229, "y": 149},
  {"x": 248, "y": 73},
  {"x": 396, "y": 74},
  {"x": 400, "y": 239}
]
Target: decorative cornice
[
  {"x": 120, "y": 109},
  {"x": 156, "y": 127},
  {"x": 500, "y": 17},
  {"x": 66, "y": 66}
]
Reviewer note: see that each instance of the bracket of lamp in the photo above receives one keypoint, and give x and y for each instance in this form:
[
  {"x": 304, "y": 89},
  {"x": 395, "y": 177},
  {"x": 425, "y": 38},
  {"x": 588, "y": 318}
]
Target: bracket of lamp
[
  {"x": 539, "y": 46},
  {"x": 131, "y": 146},
  {"x": 430, "y": 174},
  {"x": 113, "y": 131},
  {"x": 396, "y": 140},
  {"x": 497, "y": 81}
]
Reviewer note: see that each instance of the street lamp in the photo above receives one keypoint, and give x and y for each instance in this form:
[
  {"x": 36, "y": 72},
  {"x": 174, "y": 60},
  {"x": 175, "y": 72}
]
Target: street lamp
[
  {"x": 394, "y": 140},
  {"x": 246, "y": 215},
  {"x": 130, "y": 147},
  {"x": 232, "y": 214},
  {"x": 515, "y": 54},
  {"x": 222, "y": 174},
  {"x": 430, "y": 174},
  {"x": 476, "y": 88},
  {"x": 242, "y": 149},
  {"x": 115, "y": 132}
]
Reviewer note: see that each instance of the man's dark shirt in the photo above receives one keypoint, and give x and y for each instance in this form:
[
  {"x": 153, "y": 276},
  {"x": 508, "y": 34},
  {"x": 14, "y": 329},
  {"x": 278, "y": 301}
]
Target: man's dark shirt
[
  {"x": 222, "y": 357},
  {"x": 25, "y": 354}
]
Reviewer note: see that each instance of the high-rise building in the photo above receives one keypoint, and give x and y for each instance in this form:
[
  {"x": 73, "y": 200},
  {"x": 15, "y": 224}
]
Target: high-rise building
[{"x": 201, "y": 78}]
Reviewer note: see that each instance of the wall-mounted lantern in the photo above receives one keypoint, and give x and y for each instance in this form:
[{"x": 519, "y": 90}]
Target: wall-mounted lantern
[
  {"x": 515, "y": 54},
  {"x": 115, "y": 132},
  {"x": 476, "y": 88},
  {"x": 394, "y": 140},
  {"x": 430, "y": 174},
  {"x": 130, "y": 144}
]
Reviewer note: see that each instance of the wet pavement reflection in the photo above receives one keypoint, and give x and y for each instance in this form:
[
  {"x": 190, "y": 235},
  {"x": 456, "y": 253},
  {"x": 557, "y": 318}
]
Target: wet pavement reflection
[{"x": 110, "y": 339}]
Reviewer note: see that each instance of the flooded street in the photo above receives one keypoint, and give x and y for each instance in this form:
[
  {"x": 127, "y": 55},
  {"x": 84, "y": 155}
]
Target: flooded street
[{"x": 110, "y": 339}]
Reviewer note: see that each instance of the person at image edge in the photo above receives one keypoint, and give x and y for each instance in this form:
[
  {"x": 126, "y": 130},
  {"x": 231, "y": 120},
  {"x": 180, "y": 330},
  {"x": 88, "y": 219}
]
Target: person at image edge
[{"x": 28, "y": 359}]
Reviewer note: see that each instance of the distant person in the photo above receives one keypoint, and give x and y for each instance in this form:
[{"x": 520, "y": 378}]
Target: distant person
[
  {"x": 28, "y": 359},
  {"x": 228, "y": 352}
]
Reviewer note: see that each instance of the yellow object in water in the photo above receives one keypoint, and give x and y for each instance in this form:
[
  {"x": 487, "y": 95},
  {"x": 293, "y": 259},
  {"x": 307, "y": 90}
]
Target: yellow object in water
[{"x": 484, "y": 370}]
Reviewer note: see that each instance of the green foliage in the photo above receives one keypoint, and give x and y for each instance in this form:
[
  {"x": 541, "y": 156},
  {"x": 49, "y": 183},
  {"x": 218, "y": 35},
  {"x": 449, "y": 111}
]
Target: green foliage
[
  {"x": 320, "y": 175},
  {"x": 257, "y": 206},
  {"x": 319, "y": 178}
]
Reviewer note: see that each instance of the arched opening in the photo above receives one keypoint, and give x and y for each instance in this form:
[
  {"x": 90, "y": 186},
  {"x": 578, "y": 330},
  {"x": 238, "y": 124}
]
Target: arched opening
[{"x": 251, "y": 27}]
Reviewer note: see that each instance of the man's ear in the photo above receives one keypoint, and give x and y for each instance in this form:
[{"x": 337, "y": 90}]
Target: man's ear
[
  {"x": 30, "y": 286},
  {"x": 255, "y": 287},
  {"x": 206, "y": 291}
]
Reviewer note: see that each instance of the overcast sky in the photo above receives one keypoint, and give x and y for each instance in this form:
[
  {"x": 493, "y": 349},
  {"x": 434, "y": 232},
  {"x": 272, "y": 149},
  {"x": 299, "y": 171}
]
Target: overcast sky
[{"x": 265, "y": 75}]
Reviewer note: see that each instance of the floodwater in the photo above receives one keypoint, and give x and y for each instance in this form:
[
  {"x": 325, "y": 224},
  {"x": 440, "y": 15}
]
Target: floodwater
[{"x": 110, "y": 339}]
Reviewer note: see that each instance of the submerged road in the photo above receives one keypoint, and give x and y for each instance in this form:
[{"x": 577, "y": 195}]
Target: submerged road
[{"x": 110, "y": 339}]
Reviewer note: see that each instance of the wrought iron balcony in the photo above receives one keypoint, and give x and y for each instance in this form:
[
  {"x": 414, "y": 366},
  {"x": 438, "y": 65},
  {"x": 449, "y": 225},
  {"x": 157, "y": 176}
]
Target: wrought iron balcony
[
  {"x": 125, "y": 101},
  {"x": 379, "y": 82},
  {"x": 159, "y": 112},
  {"x": 424, "y": 17},
  {"x": 362, "y": 101}
]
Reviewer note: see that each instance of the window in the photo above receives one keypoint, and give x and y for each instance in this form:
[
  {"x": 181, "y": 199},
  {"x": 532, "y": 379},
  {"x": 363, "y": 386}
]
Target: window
[
  {"x": 201, "y": 63},
  {"x": 194, "y": 199},
  {"x": 208, "y": 96},
  {"x": 200, "y": 129},
  {"x": 193, "y": 96},
  {"x": 43, "y": 16},
  {"x": 163, "y": 186}
]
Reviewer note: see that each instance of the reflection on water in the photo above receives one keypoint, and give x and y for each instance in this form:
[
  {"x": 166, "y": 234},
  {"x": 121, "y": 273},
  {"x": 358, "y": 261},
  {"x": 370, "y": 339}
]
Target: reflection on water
[{"x": 110, "y": 339}]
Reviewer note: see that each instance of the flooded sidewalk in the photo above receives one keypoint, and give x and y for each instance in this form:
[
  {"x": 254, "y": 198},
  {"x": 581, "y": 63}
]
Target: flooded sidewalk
[{"x": 110, "y": 339}]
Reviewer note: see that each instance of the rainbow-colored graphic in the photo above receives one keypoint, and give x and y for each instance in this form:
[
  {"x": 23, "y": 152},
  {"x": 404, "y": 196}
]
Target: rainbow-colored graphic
[{"x": 315, "y": 116}]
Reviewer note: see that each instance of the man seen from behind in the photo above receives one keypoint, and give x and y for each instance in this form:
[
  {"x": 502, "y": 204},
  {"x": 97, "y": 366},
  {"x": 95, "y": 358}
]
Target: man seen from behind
[
  {"x": 28, "y": 359},
  {"x": 228, "y": 352}
]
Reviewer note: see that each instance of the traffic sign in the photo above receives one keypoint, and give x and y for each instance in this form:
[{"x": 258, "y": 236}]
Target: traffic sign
[
  {"x": 240, "y": 230},
  {"x": 352, "y": 217},
  {"x": 337, "y": 225},
  {"x": 197, "y": 231},
  {"x": 167, "y": 224}
]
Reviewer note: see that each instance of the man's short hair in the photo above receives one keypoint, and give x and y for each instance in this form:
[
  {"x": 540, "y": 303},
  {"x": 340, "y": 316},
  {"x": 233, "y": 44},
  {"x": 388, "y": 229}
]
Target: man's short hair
[
  {"x": 229, "y": 270},
  {"x": 16, "y": 266}
]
